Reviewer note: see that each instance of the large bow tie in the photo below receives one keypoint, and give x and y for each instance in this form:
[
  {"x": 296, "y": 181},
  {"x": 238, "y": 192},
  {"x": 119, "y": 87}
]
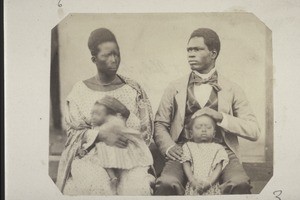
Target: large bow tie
[{"x": 211, "y": 81}]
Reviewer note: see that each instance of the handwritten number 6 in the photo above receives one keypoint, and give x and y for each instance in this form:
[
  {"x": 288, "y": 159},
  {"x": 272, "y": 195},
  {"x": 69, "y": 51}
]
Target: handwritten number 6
[
  {"x": 277, "y": 194},
  {"x": 59, "y": 4}
]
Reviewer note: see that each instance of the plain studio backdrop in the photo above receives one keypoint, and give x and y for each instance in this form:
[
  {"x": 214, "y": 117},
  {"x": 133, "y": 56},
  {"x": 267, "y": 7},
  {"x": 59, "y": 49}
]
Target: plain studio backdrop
[{"x": 153, "y": 53}]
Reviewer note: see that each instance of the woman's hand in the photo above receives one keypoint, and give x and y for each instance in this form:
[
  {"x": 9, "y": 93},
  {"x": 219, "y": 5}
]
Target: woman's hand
[
  {"x": 113, "y": 139},
  {"x": 111, "y": 133}
]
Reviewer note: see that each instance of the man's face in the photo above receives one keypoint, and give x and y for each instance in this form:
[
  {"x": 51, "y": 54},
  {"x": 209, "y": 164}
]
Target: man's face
[
  {"x": 108, "y": 58},
  {"x": 199, "y": 56}
]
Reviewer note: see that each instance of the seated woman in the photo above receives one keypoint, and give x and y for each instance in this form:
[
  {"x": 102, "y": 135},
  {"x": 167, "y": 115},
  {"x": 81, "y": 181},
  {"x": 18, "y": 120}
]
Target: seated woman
[
  {"x": 110, "y": 115},
  {"x": 84, "y": 176}
]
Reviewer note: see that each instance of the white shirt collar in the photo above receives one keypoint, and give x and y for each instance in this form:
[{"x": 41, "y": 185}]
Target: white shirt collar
[{"x": 205, "y": 76}]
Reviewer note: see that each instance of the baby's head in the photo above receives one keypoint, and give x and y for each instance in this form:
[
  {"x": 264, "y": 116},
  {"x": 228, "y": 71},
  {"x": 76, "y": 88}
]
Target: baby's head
[
  {"x": 108, "y": 106},
  {"x": 202, "y": 128}
]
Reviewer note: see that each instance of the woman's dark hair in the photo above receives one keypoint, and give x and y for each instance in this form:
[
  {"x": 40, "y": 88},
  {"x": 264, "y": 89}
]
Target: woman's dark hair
[
  {"x": 99, "y": 36},
  {"x": 211, "y": 38}
]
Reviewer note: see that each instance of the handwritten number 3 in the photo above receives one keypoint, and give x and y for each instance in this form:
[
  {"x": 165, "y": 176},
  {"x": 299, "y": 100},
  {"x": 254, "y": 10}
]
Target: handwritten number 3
[{"x": 277, "y": 194}]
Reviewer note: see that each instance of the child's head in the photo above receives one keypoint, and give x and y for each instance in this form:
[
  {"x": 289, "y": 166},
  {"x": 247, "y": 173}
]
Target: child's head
[
  {"x": 202, "y": 128},
  {"x": 108, "y": 106}
]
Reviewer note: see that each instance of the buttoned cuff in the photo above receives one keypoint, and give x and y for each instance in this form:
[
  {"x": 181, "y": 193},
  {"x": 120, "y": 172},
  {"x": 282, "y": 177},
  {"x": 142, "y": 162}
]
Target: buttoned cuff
[{"x": 224, "y": 122}]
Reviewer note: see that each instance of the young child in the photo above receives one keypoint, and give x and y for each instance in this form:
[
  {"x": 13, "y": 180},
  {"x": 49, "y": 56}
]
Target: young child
[
  {"x": 203, "y": 160},
  {"x": 110, "y": 115}
]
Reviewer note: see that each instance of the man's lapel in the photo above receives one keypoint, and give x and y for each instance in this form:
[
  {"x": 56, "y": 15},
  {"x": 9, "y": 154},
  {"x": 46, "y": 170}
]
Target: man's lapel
[
  {"x": 224, "y": 96},
  {"x": 181, "y": 87}
]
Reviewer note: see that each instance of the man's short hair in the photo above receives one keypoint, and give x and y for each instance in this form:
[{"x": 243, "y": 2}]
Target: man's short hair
[{"x": 211, "y": 38}]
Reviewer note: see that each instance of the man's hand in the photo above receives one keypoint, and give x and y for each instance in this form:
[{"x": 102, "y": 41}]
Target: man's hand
[
  {"x": 175, "y": 153},
  {"x": 210, "y": 112}
]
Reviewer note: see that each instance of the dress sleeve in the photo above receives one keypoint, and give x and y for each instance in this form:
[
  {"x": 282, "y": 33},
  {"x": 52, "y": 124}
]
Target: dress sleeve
[
  {"x": 220, "y": 156},
  {"x": 77, "y": 128},
  {"x": 186, "y": 157}
]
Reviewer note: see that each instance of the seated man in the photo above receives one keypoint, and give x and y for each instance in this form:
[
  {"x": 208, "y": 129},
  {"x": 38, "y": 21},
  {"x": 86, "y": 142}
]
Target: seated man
[{"x": 207, "y": 92}]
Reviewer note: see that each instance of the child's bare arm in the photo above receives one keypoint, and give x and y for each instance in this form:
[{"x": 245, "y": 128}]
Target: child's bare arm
[
  {"x": 216, "y": 173},
  {"x": 212, "y": 179},
  {"x": 189, "y": 174},
  {"x": 188, "y": 170}
]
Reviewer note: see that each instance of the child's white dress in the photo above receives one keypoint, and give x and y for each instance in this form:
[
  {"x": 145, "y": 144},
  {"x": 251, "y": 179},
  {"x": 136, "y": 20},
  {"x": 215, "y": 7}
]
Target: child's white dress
[{"x": 204, "y": 157}]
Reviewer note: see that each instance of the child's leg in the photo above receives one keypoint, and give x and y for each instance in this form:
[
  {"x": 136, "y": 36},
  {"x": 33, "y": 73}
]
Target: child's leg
[
  {"x": 111, "y": 173},
  {"x": 113, "y": 178}
]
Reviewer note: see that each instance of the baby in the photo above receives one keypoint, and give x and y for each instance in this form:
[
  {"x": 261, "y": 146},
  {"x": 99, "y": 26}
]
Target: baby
[
  {"x": 110, "y": 115},
  {"x": 203, "y": 160}
]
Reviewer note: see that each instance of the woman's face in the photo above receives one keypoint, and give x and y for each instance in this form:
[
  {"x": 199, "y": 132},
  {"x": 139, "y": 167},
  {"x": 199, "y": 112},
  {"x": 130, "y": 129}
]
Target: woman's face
[
  {"x": 203, "y": 129},
  {"x": 108, "y": 58},
  {"x": 98, "y": 115}
]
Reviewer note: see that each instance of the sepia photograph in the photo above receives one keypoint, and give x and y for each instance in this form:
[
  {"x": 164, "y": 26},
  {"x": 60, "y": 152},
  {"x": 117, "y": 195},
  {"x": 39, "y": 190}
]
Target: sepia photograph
[
  {"x": 151, "y": 99},
  {"x": 156, "y": 104}
]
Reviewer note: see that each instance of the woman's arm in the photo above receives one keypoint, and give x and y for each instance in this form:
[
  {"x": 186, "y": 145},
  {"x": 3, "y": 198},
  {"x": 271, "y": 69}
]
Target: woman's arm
[
  {"x": 78, "y": 130},
  {"x": 112, "y": 136}
]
